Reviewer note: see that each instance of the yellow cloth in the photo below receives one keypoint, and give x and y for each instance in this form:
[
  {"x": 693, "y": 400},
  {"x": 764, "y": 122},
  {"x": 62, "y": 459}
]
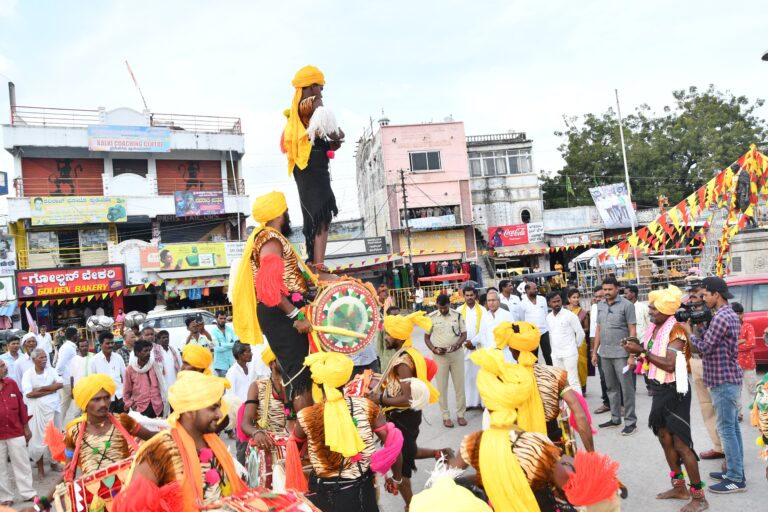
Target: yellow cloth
[
  {"x": 478, "y": 316},
  {"x": 332, "y": 370},
  {"x": 268, "y": 207},
  {"x": 197, "y": 356},
  {"x": 666, "y": 301},
  {"x": 267, "y": 356},
  {"x": 86, "y": 388},
  {"x": 194, "y": 391},
  {"x": 401, "y": 328},
  {"x": 295, "y": 137},
  {"x": 525, "y": 340},
  {"x": 504, "y": 388},
  {"x": 446, "y": 496}
]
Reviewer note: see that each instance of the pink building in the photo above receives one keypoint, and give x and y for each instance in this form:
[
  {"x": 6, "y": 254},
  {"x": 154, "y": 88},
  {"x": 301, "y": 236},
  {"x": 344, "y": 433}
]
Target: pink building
[{"x": 433, "y": 158}]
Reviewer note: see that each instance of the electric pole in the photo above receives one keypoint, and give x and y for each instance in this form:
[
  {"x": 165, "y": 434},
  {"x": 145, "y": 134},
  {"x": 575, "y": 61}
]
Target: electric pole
[{"x": 407, "y": 226}]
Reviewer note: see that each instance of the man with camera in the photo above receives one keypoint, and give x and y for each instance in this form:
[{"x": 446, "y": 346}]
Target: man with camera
[{"x": 718, "y": 345}]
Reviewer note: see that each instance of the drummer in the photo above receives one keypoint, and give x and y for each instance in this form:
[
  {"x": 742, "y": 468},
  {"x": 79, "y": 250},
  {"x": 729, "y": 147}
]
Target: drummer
[
  {"x": 272, "y": 305},
  {"x": 265, "y": 395}
]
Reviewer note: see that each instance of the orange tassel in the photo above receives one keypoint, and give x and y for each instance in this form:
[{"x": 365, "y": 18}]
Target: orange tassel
[
  {"x": 294, "y": 472},
  {"x": 54, "y": 440},
  {"x": 753, "y": 418},
  {"x": 594, "y": 481},
  {"x": 270, "y": 288},
  {"x": 145, "y": 496}
]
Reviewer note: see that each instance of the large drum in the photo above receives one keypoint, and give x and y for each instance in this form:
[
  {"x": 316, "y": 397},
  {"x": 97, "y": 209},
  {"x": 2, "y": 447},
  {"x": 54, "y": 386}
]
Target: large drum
[
  {"x": 347, "y": 304},
  {"x": 261, "y": 464},
  {"x": 93, "y": 491}
]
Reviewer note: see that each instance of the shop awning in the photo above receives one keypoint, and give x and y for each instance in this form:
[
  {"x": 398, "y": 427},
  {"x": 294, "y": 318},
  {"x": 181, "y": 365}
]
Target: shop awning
[
  {"x": 188, "y": 279},
  {"x": 186, "y": 274},
  {"x": 358, "y": 262},
  {"x": 523, "y": 249}
]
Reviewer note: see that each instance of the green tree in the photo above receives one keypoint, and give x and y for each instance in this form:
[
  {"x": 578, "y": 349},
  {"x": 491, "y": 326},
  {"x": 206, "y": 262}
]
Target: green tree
[{"x": 671, "y": 153}]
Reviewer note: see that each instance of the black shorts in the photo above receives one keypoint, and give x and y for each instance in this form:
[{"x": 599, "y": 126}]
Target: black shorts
[
  {"x": 290, "y": 347},
  {"x": 408, "y": 421}
]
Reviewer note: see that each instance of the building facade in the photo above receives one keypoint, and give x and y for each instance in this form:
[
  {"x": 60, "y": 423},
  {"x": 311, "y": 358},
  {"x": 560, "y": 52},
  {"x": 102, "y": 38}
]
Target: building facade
[
  {"x": 115, "y": 209},
  {"x": 435, "y": 174}
]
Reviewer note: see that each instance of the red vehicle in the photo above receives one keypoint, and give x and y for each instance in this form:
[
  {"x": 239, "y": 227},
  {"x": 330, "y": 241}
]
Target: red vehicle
[{"x": 752, "y": 292}]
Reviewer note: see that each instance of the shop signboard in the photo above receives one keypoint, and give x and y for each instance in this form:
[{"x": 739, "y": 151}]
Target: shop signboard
[
  {"x": 436, "y": 242},
  {"x": 613, "y": 203},
  {"x": 515, "y": 234},
  {"x": 442, "y": 221},
  {"x": 7, "y": 256},
  {"x": 198, "y": 255},
  {"x": 192, "y": 203},
  {"x": 129, "y": 139},
  {"x": 69, "y": 281},
  {"x": 57, "y": 210}
]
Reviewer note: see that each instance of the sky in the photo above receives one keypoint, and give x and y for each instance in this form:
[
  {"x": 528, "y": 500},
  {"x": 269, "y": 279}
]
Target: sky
[{"x": 498, "y": 66}]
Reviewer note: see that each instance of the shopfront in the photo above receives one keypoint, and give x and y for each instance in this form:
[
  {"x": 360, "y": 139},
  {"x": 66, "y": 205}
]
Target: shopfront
[{"x": 64, "y": 297}]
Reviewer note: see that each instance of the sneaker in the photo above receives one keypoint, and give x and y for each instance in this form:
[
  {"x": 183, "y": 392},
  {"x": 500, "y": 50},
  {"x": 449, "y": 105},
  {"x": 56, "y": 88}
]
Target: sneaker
[
  {"x": 610, "y": 424},
  {"x": 717, "y": 475},
  {"x": 629, "y": 430},
  {"x": 728, "y": 487}
]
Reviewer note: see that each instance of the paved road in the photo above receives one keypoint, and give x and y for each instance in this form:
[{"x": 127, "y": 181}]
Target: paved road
[{"x": 643, "y": 468}]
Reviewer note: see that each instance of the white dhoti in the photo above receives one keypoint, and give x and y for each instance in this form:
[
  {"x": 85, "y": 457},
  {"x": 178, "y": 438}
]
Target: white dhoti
[{"x": 42, "y": 413}]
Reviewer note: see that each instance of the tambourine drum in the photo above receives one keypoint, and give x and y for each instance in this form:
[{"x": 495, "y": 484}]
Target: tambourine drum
[
  {"x": 261, "y": 463},
  {"x": 94, "y": 490},
  {"x": 263, "y": 500},
  {"x": 347, "y": 304}
]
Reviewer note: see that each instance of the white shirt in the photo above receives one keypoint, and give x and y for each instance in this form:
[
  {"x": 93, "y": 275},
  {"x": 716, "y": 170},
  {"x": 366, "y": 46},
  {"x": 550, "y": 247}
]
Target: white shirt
[
  {"x": 80, "y": 367},
  {"x": 521, "y": 288},
  {"x": 565, "y": 333},
  {"x": 592, "y": 320},
  {"x": 32, "y": 380},
  {"x": 169, "y": 367},
  {"x": 256, "y": 368},
  {"x": 115, "y": 368},
  {"x": 240, "y": 381},
  {"x": 535, "y": 314},
  {"x": 45, "y": 342},
  {"x": 476, "y": 333},
  {"x": 643, "y": 320},
  {"x": 419, "y": 296},
  {"x": 513, "y": 303},
  {"x": 67, "y": 352},
  {"x": 494, "y": 320},
  {"x": 22, "y": 364}
]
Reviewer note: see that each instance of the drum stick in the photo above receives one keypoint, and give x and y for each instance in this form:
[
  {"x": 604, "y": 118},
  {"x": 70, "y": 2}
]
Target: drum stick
[{"x": 329, "y": 329}]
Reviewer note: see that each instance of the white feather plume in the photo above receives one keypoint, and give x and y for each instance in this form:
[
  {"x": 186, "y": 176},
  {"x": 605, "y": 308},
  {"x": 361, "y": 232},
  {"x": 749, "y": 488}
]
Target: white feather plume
[
  {"x": 681, "y": 373},
  {"x": 321, "y": 124},
  {"x": 151, "y": 424},
  {"x": 442, "y": 470}
]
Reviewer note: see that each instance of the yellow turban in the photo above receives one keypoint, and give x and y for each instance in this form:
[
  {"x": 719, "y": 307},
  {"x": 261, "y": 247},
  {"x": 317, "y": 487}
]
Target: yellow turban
[
  {"x": 269, "y": 206},
  {"x": 267, "y": 356},
  {"x": 295, "y": 138},
  {"x": 87, "y": 387},
  {"x": 524, "y": 337},
  {"x": 505, "y": 389},
  {"x": 401, "y": 328},
  {"x": 666, "y": 301},
  {"x": 194, "y": 391},
  {"x": 332, "y": 370},
  {"x": 447, "y": 496},
  {"x": 197, "y": 356}
]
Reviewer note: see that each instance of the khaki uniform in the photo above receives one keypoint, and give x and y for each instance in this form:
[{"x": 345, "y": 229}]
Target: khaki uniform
[{"x": 446, "y": 330}]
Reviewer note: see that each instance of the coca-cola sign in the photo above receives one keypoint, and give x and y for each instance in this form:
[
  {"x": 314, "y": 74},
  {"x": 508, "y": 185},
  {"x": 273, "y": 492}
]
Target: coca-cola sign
[{"x": 515, "y": 234}]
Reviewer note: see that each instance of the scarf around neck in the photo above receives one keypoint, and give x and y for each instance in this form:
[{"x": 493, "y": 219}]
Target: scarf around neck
[{"x": 478, "y": 316}]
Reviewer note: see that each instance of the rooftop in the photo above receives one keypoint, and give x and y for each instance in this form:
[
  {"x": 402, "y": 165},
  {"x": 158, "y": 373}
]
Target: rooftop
[{"x": 497, "y": 138}]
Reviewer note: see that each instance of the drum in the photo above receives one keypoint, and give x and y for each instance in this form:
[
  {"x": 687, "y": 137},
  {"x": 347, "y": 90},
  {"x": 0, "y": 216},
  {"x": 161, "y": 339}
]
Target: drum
[
  {"x": 260, "y": 463},
  {"x": 263, "y": 500},
  {"x": 348, "y": 304},
  {"x": 93, "y": 491}
]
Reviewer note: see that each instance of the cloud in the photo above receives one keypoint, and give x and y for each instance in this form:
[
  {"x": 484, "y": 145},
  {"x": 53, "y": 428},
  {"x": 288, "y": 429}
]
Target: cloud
[{"x": 7, "y": 8}]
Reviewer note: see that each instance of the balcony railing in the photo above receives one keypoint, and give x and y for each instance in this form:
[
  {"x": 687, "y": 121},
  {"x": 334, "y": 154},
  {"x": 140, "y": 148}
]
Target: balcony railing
[
  {"x": 70, "y": 117},
  {"x": 497, "y": 138},
  {"x": 62, "y": 257},
  {"x": 34, "y": 187}
]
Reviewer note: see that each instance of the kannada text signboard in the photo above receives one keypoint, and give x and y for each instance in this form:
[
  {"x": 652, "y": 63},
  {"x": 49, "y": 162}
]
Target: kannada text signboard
[
  {"x": 129, "y": 139},
  {"x": 50, "y": 211},
  {"x": 198, "y": 202},
  {"x": 69, "y": 281}
]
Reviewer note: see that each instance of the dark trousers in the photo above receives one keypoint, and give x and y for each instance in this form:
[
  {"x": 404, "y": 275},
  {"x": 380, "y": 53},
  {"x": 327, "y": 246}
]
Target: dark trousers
[
  {"x": 342, "y": 495},
  {"x": 546, "y": 349},
  {"x": 149, "y": 412},
  {"x": 603, "y": 388},
  {"x": 116, "y": 406}
]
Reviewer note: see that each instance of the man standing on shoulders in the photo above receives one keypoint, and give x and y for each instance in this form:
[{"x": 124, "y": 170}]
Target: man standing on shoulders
[
  {"x": 509, "y": 299},
  {"x": 476, "y": 320},
  {"x": 616, "y": 321},
  {"x": 533, "y": 309},
  {"x": 631, "y": 293},
  {"x": 566, "y": 336},
  {"x": 14, "y": 436},
  {"x": 719, "y": 348},
  {"x": 44, "y": 340},
  {"x": 108, "y": 363},
  {"x": 224, "y": 337},
  {"x": 445, "y": 340},
  {"x": 497, "y": 315}
]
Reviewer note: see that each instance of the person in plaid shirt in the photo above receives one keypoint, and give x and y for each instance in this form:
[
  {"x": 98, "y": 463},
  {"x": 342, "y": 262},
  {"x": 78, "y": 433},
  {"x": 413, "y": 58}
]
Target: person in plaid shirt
[
  {"x": 719, "y": 347},
  {"x": 746, "y": 357}
]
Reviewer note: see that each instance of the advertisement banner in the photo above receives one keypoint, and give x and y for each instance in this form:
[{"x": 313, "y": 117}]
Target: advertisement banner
[
  {"x": 7, "y": 255},
  {"x": 69, "y": 281},
  {"x": 50, "y": 211},
  {"x": 515, "y": 234},
  {"x": 613, "y": 203},
  {"x": 185, "y": 256},
  {"x": 198, "y": 202},
  {"x": 436, "y": 241},
  {"x": 443, "y": 221},
  {"x": 129, "y": 139}
]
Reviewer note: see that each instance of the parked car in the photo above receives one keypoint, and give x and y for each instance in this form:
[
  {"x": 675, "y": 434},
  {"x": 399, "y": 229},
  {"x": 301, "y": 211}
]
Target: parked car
[
  {"x": 174, "y": 323},
  {"x": 752, "y": 292}
]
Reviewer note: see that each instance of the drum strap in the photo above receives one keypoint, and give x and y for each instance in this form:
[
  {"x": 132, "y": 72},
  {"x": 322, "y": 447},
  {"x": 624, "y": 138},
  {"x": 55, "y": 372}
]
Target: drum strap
[
  {"x": 69, "y": 471},
  {"x": 264, "y": 420}
]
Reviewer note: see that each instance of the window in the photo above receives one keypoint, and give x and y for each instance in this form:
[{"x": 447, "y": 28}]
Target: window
[
  {"x": 739, "y": 294},
  {"x": 125, "y": 166},
  {"x": 425, "y": 161},
  {"x": 519, "y": 161},
  {"x": 525, "y": 216},
  {"x": 760, "y": 297},
  {"x": 475, "y": 165}
]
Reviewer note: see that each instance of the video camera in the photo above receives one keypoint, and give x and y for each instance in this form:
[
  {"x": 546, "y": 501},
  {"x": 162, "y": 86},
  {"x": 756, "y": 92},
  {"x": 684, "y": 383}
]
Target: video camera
[{"x": 696, "y": 313}]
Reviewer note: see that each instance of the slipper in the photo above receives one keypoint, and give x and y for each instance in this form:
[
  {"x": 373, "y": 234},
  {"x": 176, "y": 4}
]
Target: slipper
[
  {"x": 6, "y": 504},
  {"x": 448, "y": 423},
  {"x": 462, "y": 422}
]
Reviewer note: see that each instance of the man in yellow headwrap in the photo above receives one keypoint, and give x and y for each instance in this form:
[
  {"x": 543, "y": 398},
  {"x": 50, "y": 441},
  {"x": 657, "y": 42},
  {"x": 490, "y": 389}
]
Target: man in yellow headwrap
[
  {"x": 543, "y": 412},
  {"x": 663, "y": 353},
  {"x": 98, "y": 439},
  {"x": 406, "y": 390},
  {"x": 196, "y": 358},
  {"x": 271, "y": 306},
  {"x": 341, "y": 436},
  {"x": 310, "y": 137},
  {"x": 188, "y": 463}
]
